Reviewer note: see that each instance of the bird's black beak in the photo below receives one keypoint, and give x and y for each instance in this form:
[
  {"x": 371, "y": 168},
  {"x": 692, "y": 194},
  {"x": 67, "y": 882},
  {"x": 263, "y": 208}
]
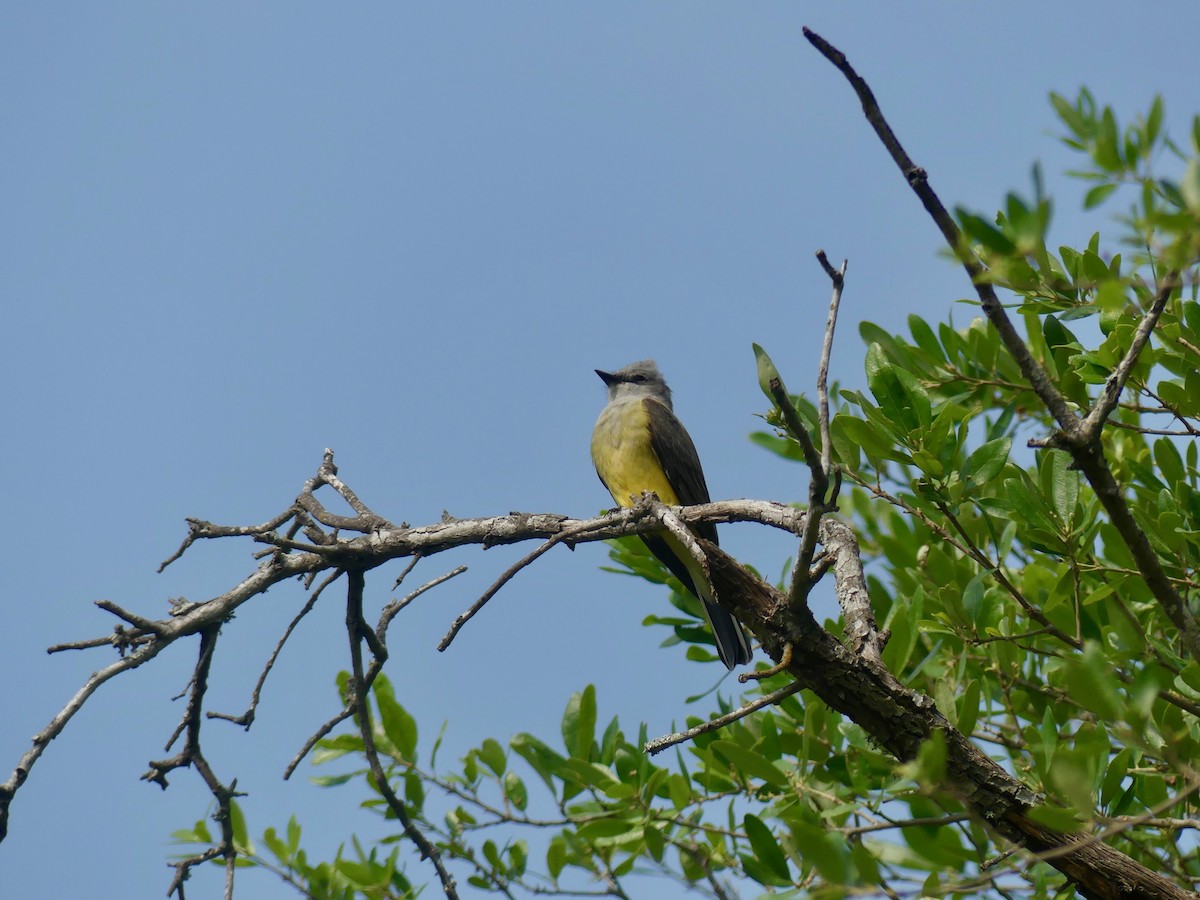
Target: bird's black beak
[{"x": 607, "y": 377}]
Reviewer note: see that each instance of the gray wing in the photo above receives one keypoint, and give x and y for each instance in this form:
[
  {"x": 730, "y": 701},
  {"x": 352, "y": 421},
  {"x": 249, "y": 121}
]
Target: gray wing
[{"x": 677, "y": 454}]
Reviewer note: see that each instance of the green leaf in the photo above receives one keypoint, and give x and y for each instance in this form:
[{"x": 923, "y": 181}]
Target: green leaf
[
  {"x": 597, "y": 776},
  {"x": 925, "y": 338},
  {"x": 1063, "y": 485},
  {"x": 988, "y": 461},
  {"x": 237, "y": 821},
  {"x": 414, "y": 790},
  {"x": 973, "y": 598},
  {"x": 1106, "y": 149},
  {"x": 781, "y": 446},
  {"x": 293, "y": 834},
  {"x": 1098, "y": 195},
  {"x": 865, "y": 863},
  {"x": 515, "y": 791},
  {"x": 968, "y": 708},
  {"x": 1073, "y": 775},
  {"x": 277, "y": 847},
  {"x": 825, "y": 850},
  {"x": 929, "y": 768},
  {"x": 1170, "y": 463},
  {"x": 198, "y": 834},
  {"x": 398, "y": 725},
  {"x": 655, "y": 845},
  {"x": 491, "y": 754},
  {"x": 540, "y": 757},
  {"x": 1091, "y": 684},
  {"x": 848, "y": 432},
  {"x": 1190, "y": 186},
  {"x": 556, "y": 856},
  {"x": 1070, "y": 116},
  {"x": 579, "y": 723},
  {"x": 750, "y": 762},
  {"x": 901, "y": 397},
  {"x": 332, "y": 780},
  {"x": 766, "y": 848},
  {"x": 607, "y": 827},
  {"x": 1118, "y": 768},
  {"x": 899, "y": 647},
  {"x": 766, "y": 372},
  {"x": 1154, "y": 120},
  {"x": 1057, "y": 818},
  {"x": 983, "y": 232}
]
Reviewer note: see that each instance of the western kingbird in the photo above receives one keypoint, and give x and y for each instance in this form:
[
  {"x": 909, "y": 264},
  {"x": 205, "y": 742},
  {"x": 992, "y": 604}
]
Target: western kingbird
[{"x": 639, "y": 445}]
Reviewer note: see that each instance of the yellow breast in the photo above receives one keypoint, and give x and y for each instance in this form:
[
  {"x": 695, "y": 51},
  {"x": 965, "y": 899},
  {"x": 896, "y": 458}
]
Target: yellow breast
[{"x": 624, "y": 456}]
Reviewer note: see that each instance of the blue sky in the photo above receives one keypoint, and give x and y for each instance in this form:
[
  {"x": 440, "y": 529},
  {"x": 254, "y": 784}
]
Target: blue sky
[{"x": 237, "y": 234}]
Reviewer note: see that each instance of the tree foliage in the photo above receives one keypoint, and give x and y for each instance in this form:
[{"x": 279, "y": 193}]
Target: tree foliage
[
  {"x": 1010, "y": 597},
  {"x": 1027, "y": 504}
]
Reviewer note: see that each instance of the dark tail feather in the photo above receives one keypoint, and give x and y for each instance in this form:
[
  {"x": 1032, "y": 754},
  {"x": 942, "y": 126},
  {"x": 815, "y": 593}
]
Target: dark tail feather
[{"x": 733, "y": 646}]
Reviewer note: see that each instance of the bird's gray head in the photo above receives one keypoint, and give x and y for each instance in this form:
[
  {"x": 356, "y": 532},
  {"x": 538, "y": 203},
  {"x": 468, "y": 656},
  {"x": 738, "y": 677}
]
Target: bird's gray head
[{"x": 639, "y": 379}]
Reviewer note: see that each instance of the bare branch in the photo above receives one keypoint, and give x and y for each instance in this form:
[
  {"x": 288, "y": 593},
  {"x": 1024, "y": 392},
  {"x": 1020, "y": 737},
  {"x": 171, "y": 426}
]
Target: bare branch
[
  {"x": 246, "y": 719},
  {"x": 659, "y": 744},
  {"x": 198, "y": 529},
  {"x": 507, "y": 576},
  {"x": 192, "y": 755},
  {"x": 389, "y": 612},
  {"x": 355, "y": 628},
  {"x": 142, "y": 624},
  {"x": 838, "y": 277},
  {"x": 820, "y": 464},
  {"x": 314, "y": 738},
  {"x": 56, "y": 725}
]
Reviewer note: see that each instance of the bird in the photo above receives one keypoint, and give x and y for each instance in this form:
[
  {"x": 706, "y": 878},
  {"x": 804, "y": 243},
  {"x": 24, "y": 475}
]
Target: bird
[{"x": 639, "y": 445}]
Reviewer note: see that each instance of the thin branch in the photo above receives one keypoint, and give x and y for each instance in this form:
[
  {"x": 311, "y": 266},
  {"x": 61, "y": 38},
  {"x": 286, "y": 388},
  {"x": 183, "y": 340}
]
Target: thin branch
[
  {"x": 55, "y": 727},
  {"x": 354, "y": 629},
  {"x": 918, "y": 180},
  {"x": 193, "y": 756},
  {"x": 322, "y": 732},
  {"x": 662, "y": 743},
  {"x": 198, "y": 529},
  {"x": 457, "y": 625},
  {"x": 246, "y": 719},
  {"x": 1111, "y": 395},
  {"x": 412, "y": 564},
  {"x": 388, "y": 613},
  {"x": 795, "y": 426},
  {"x": 820, "y": 464},
  {"x": 121, "y": 639},
  {"x": 838, "y": 277},
  {"x": 147, "y": 626},
  {"x": 818, "y": 485},
  {"x": 921, "y": 822}
]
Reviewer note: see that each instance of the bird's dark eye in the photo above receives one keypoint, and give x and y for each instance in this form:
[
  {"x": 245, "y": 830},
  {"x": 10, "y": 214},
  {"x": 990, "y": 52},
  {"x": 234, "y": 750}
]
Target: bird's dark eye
[{"x": 639, "y": 379}]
